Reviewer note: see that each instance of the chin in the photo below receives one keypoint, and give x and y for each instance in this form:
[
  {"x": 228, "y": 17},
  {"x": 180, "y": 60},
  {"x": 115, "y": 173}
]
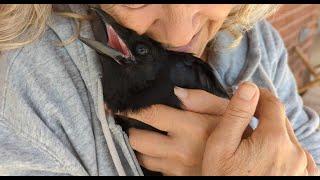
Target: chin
[{"x": 200, "y": 52}]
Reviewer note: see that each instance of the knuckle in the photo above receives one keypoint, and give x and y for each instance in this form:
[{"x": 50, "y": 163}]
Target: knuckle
[
  {"x": 267, "y": 93},
  {"x": 150, "y": 114},
  {"x": 144, "y": 161},
  {"x": 149, "y": 164},
  {"x": 276, "y": 140},
  {"x": 187, "y": 157},
  {"x": 279, "y": 139},
  {"x": 276, "y": 103},
  {"x": 202, "y": 129},
  {"x": 237, "y": 112},
  {"x": 277, "y": 136}
]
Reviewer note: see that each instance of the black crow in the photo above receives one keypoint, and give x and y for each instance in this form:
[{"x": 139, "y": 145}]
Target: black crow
[{"x": 139, "y": 72}]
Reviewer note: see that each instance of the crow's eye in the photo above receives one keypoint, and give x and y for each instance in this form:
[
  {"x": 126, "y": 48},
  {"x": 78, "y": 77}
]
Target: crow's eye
[{"x": 142, "y": 49}]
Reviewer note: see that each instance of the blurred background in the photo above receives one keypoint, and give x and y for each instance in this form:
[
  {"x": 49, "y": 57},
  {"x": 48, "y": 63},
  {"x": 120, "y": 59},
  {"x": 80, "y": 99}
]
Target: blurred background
[{"x": 299, "y": 26}]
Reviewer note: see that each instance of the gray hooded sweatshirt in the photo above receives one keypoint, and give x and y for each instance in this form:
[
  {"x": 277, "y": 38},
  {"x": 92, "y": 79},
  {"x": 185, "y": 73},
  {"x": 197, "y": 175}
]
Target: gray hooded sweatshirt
[{"x": 52, "y": 118}]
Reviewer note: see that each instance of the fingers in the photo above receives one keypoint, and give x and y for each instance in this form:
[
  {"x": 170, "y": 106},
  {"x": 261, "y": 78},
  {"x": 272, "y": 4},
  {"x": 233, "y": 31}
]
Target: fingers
[
  {"x": 143, "y": 141},
  {"x": 166, "y": 166},
  {"x": 271, "y": 114},
  {"x": 150, "y": 163},
  {"x": 161, "y": 117},
  {"x": 173, "y": 121},
  {"x": 236, "y": 117},
  {"x": 201, "y": 101}
]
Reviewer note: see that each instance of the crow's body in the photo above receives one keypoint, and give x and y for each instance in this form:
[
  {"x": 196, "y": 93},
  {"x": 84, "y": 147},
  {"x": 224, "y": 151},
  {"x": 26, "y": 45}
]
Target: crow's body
[
  {"x": 149, "y": 75},
  {"x": 178, "y": 69}
]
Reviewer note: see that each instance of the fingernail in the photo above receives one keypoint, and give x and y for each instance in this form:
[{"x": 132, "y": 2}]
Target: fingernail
[
  {"x": 246, "y": 91},
  {"x": 180, "y": 92}
]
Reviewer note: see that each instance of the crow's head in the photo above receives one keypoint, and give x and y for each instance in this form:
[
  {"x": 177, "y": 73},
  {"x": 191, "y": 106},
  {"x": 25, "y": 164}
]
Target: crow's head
[
  {"x": 131, "y": 62},
  {"x": 122, "y": 44},
  {"x": 138, "y": 71}
]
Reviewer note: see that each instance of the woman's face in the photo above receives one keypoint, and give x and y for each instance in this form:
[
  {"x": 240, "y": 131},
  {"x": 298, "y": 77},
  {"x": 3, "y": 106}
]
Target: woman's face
[{"x": 179, "y": 27}]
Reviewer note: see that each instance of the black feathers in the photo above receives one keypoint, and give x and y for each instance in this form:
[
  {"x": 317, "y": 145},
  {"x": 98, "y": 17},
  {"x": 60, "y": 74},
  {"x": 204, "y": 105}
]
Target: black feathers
[
  {"x": 148, "y": 74},
  {"x": 139, "y": 72}
]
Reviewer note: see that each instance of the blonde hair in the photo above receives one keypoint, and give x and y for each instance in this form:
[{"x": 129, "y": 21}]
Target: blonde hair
[
  {"x": 23, "y": 24},
  {"x": 243, "y": 17}
]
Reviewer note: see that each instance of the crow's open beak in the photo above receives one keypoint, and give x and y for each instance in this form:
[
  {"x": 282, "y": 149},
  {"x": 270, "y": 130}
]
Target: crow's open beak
[
  {"x": 115, "y": 47},
  {"x": 103, "y": 49}
]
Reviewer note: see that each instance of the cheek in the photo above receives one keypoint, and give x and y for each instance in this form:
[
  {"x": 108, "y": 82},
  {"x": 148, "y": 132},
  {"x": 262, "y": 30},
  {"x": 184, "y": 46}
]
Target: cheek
[
  {"x": 136, "y": 19},
  {"x": 216, "y": 15},
  {"x": 217, "y": 12},
  {"x": 210, "y": 29},
  {"x": 214, "y": 27}
]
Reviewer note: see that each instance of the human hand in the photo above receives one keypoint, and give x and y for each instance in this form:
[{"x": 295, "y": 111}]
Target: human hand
[
  {"x": 272, "y": 148},
  {"x": 180, "y": 151}
]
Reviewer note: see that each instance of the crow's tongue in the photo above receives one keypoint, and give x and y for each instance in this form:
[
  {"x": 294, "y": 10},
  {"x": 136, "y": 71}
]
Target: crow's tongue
[{"x": 116, "y": 43}]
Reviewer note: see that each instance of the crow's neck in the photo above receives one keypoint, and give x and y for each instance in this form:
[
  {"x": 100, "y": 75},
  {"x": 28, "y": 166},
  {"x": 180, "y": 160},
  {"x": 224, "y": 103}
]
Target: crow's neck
[{"x": 121, "y": 83}]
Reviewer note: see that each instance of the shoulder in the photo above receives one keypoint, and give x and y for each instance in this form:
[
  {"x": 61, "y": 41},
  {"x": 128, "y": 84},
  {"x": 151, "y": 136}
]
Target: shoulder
[
  {"x": 254, "y": 59},
  {"x": 270, "y": 41},
  {"x": 43, "y": 89},
  {"x": 44, "y": 99},
  {"x": 274, "y": 55},
  {"x": 44, "y": 66},
  {"x": 268, "y": 33},
  {"x": 19, "y": 65}
]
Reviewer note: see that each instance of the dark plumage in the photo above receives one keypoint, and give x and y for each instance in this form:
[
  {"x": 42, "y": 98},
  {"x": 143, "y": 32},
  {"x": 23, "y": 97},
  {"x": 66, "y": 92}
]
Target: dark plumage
[
  {"x": 150, "y": 73},
  {"x": 147, "y": 74}
]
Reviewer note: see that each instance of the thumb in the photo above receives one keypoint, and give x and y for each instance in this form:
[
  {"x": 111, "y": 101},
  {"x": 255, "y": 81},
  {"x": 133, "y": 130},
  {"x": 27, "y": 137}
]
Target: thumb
[{"x": 237, "y": 116}]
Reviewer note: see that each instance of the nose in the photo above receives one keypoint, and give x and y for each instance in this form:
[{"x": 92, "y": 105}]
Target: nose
[{"x": 179, "y": 24}]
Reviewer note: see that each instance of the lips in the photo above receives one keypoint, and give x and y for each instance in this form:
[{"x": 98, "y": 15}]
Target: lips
[
  {"x": 117, "y": 43},
  {"x": 188, "y": 47}
]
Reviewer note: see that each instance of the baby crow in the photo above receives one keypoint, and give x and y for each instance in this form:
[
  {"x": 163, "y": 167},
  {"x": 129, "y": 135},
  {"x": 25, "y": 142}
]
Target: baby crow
[{"x": 139, "y": 72}]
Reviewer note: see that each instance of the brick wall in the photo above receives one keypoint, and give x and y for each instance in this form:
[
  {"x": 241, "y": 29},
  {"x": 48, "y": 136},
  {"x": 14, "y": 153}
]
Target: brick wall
[{"x": 291, "y": 20}]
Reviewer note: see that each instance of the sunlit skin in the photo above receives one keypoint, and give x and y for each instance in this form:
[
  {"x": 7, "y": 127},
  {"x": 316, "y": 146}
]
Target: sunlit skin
[{"x": 205, "y": 138}]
